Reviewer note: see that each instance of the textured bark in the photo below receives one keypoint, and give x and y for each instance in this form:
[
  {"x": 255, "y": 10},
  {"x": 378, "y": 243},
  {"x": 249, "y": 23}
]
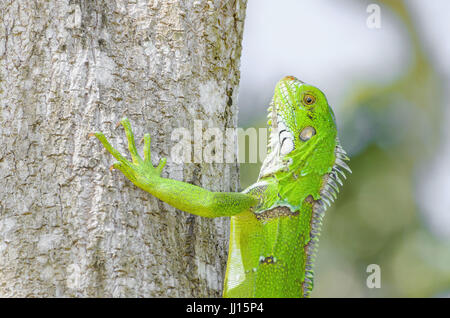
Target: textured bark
[{"x": 68, "y": 226}]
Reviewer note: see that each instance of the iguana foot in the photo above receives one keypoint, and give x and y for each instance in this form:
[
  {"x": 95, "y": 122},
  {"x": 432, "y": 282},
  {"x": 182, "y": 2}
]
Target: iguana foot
[{"x": 140, "y": 171}]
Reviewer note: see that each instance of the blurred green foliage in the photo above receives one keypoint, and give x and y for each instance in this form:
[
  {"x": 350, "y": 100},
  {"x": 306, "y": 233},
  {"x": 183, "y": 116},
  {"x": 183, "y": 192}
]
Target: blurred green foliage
[{"x": 388, "y": 129}]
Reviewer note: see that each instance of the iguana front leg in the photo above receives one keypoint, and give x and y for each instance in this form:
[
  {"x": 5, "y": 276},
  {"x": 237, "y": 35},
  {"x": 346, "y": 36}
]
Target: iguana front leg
[{"x": 181, "y": 195}]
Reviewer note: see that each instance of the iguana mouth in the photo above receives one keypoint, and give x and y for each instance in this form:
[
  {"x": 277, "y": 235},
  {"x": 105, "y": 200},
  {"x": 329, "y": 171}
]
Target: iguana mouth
[{"x": 285, "y": 138}]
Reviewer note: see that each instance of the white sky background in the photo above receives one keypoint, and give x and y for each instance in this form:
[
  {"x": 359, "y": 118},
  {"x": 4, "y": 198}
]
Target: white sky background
[
  {"x": 327, "y": 43},
  {"x": 322, "y": 42}
]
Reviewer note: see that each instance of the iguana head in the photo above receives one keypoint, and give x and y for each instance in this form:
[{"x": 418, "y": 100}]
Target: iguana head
[
  {"x": 301, "y": 123},
  {"x": 303, "y": 138}
]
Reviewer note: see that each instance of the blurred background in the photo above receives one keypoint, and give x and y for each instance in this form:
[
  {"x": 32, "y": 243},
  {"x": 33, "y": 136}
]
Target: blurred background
[{"x": 387, "y": 82}]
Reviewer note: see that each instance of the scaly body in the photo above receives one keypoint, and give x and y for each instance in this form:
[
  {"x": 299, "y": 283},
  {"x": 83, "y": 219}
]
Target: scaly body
[{"x": 275, "y": 223}]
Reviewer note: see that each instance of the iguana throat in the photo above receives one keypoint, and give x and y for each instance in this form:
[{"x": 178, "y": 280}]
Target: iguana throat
[{"x": 281, "y": 138}]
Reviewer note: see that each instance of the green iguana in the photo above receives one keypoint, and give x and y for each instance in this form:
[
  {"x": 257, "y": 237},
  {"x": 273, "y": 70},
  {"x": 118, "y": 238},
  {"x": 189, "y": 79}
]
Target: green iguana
[{"x": 276, "y": 222}]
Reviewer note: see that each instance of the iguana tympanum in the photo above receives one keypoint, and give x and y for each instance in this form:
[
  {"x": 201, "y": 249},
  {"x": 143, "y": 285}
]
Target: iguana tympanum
[{"x": 276, "y": 222}]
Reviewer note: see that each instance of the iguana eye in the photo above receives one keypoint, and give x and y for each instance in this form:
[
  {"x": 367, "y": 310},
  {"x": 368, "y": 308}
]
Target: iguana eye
[
  {"x": 309, "y": 99},
  {"x": 307, "y": 133}
]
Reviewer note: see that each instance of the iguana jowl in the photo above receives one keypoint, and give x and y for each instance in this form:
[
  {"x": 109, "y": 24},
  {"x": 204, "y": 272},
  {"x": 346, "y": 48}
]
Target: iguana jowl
[{"x": 276, "y": 222}]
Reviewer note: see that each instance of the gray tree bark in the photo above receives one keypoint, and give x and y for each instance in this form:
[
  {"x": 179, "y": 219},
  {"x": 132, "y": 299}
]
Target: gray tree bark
[{"x": 69, "y": 227}]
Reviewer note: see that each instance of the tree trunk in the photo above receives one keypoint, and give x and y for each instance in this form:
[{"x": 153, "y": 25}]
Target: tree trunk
[{"x": 69, "y": 227}]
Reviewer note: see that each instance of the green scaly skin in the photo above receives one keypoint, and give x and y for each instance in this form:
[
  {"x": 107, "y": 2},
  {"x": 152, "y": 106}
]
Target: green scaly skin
[{"x": 275, "y": 223}]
